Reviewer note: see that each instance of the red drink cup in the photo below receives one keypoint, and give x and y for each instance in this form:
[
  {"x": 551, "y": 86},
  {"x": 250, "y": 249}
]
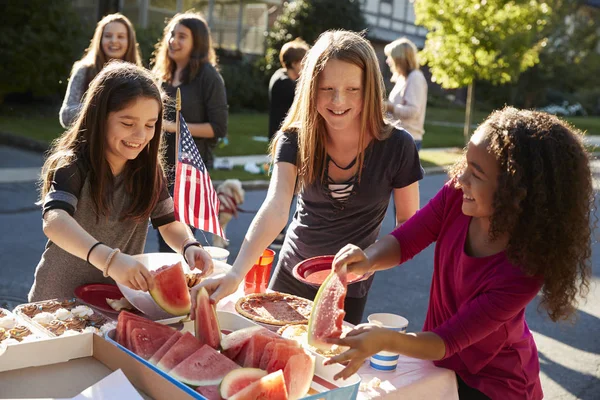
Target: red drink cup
[{"x": 257, "y": 279}]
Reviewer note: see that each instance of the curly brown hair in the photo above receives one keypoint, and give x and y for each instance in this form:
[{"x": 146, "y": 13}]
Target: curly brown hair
[{"x": 544, "y": 202}]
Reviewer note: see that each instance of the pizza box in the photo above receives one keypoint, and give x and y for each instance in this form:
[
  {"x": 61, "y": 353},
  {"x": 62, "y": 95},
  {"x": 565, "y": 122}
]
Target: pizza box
[
  {"x": 323, "y": 387},
  {"x": 63, "y": 367}
]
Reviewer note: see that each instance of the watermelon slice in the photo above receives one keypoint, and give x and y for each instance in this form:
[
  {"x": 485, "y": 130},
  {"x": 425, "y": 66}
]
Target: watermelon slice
[
  {"x": 132, "y": 324},
  {"x": 298, "y": 373},
  {"x": 146, "y": 341},
  {"x": 328, "y": 312},
  {"x": 252, "y": 353},
  {"x": 238, "y": 379},
  {"x": 269, "y": 349},
  {"x": 210, "y": 392},
  {"x": 156, "y": 357},
  {"x": 205, "y": 367},
  {"x": 182, "y": 349},
  {"x": 206, "y": 325},
  {"x": 233, "y": 343},
  {"x": 170, "y": 290},
  {"x": 270, "y": 387},
  {"x": 124, "y": 316},
  {"x": 281, "y": 354}
]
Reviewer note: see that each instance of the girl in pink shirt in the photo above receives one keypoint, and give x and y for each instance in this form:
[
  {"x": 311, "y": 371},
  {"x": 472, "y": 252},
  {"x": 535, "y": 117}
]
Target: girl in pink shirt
[{"x": 514, "y": 219}]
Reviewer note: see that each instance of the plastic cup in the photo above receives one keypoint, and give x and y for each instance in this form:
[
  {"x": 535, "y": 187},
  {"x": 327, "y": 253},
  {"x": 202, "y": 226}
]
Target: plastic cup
[
  {"x": 385, "y": 360},
  {"x": 257, "y": 279},
  {"x": 217, "y": 253}
]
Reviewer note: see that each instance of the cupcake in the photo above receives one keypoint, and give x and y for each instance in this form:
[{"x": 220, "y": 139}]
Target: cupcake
[
  {"x": 57, "y": 327},
  {"x": 96, "y": 319},
  {"x": 30, "y": 310},
  {"x": 82, "y": 311},
  {"x": 43, "y": 318},
  {"x": 7, "y": 322},
  {"x": 107, "y": 327},
  {"x": 68, "y": 304},
  {"x": 92, "y": 329},
  {"x": 76, "y": 324},
  {"x": 63, "y": 314},
  {"x": 19, "y": 332},
  {"x": 3, "y": 334},
  {"x": 50, "y": 306}
]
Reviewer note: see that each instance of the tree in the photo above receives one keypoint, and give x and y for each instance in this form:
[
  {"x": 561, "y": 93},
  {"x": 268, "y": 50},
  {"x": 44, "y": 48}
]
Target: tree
[
  {"x": 39, "y": 41},
  {"x": 307, "y": 19},
  {"x": 490, "y": 40}
]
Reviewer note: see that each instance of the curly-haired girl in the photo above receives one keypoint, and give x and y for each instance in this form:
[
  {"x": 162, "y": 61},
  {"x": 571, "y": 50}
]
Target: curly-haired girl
[{"x": 514, "y": 219}]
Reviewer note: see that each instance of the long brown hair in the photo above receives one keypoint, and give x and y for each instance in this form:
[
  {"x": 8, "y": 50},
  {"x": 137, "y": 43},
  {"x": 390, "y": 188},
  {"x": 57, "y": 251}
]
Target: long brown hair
[
  {"x": 113, "y": 89},
  {"x": 544, "y": 202},
  {"x": 303, "y": 117},
  {"x": 94, "y": 57},
  {"x": 202, "y": 51}
]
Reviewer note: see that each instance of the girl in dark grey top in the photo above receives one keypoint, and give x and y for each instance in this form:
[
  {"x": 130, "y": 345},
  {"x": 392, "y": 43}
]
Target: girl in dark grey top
[
  {"x": 101, "y": 184},
  {"x": 342, "y": 159}
]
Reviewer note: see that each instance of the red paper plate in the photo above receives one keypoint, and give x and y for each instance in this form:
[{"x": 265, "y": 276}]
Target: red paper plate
[
  {"x": 95, "y": 295},
  {"x": 313, "y": 271}
]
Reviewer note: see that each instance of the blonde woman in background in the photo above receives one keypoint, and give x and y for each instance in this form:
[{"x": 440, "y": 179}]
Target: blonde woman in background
[
  {"x": 114, "y": 38},
  {"x": 408, "y": 99}
]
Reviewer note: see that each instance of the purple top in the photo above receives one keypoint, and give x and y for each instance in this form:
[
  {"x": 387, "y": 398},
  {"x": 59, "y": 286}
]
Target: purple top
[{"x": 476, "y": 305}]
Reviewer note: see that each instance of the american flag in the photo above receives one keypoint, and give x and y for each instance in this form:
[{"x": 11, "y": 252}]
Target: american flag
[{"x": 196, "y": 202}]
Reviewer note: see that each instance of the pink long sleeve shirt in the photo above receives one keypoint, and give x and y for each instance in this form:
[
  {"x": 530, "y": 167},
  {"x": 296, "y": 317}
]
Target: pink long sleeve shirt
[{"x": 476, "y": 305}]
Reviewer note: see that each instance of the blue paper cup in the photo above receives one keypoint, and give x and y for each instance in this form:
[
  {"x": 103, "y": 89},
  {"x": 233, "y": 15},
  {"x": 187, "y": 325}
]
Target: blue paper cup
[{"x": 384, "y": 360}]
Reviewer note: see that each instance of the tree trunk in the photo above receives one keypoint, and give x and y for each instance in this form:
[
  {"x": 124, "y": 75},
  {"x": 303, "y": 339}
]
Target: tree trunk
[{"x": 469, "y": 111}]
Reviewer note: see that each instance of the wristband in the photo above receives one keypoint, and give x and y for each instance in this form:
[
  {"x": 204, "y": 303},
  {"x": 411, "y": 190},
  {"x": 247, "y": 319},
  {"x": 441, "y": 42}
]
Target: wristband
[
  {"x": 87, "y": 259},
  {"x": 108, "y": 260}
]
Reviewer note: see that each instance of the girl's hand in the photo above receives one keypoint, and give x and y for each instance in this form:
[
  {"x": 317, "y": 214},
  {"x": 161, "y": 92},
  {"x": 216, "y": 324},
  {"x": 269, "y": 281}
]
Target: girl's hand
[
  {"x": 364, "y": 341},
  {"x": 217, "y": 288},
  {"x": 169, "y": 126},
  {"x": 199, "y": 259},
  {"x": 355, "y": 259},
  {"x": 129, "y": 272}
]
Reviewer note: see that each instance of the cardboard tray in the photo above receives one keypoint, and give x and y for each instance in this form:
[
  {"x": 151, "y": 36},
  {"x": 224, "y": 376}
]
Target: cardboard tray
[
  {"x": 62, "y": 367},
  {"x": 323, "y": 383}
]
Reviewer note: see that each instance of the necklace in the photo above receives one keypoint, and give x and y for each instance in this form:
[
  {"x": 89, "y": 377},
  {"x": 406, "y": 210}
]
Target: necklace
[{"x": 342, "y": 168}]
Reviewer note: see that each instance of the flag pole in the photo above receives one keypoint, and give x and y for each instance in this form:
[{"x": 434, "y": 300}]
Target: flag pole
[{"x": 177, "y": 110}]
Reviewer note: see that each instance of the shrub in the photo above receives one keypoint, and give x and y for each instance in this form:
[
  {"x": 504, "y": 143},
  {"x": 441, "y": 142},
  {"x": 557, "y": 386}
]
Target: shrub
[{"x": 246, "y": 87}]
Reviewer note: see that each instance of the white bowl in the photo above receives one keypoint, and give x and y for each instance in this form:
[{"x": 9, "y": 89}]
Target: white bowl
[
  {"x": 153, "y": 261},
  {"x": 217, "y": 253}
]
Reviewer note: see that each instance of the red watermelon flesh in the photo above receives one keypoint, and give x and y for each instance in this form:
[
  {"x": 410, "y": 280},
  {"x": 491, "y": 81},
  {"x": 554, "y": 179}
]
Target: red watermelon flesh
[
  {"x": 328, "y": 312},
  {"x": 156, "y": 357},
  {"x": 210, "y": 392},
  {"x": 298, "y": 375},
  {"x": 205, "y": 367},
  {"x": 132, "y": 324},
  {"x": 281, "y": 355},
  {"x": 253, "y": 351},
  {"x": 238, "y": 379},
  {"x": 182, "y": 349},
  {"x": 271, "y": 387},
  {"x": 206, "y": 325},
  {"x": 146, "y": 341},
  {"x": 124, "y": 316},
  {"x": 170, "y": 290},
  {"x": 268, "y": 352},
  {"x": 233, "y": 343}
]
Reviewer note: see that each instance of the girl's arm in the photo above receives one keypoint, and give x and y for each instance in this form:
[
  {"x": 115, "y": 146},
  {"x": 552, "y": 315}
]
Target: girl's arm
[
  {"x": 72, "y": 101},
  {"x": 202, "y": 130},
  {"x": 66, "y": 233},
  {"x": 415, "y": 98},
  {"x": 177, "y": 235},
  {"x": 406, "y": 200},
  {"x": 212, "y": 88},
  {"x": 270, "y": 219}
]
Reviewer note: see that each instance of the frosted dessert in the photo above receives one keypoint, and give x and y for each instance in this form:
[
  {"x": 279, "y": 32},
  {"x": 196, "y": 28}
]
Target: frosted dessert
[
  {"x": 63, "y": 314},
  {"x": 82, "y": 311},
  {"x": 44, "y": 318},
  {"x": 7, "y": 321}
]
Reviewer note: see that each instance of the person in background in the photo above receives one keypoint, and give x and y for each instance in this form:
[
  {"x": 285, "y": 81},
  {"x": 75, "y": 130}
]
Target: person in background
[
  {"x": 186, "y": 60},
  {"x": 408, "y": 99},
  {"x": 337, "y": 153},
  {"x": 513, "y": 223},
  {"x": 102, "y": 183},
  {"x": 114, "y": 38},
  {"x": 282, "y": 87}
]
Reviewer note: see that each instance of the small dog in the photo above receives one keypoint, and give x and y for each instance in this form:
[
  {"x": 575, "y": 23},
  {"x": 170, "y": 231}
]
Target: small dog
[{"x": 231, "y": 195}]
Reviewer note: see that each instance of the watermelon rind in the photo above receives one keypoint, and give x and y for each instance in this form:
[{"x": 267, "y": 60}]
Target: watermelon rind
[
  {"x": 270, "y": 387},
  {"x": 206, "y": 324},
  {"x": 298, "y": 374},
  {"x": 318, "y": 305},
  {"x": 238, "y": 379},
  {"x": 170, "y": 291}
]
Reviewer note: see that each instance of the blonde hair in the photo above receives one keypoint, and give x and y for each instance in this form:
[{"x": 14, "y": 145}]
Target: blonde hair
[
  {"x": 202, "y": 50},
  {"x": 95, "y": 59},
  {"x": 404, "y": 54},
  {"x": 303, "y": 117}
]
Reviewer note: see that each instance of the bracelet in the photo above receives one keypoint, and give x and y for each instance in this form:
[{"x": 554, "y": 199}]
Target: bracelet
[
  {"x": 87, "y": 259},
  {"x": 187, "y": 246},
  {"x": 185, "y": 242},
  {"x": 108, "y": 260}
]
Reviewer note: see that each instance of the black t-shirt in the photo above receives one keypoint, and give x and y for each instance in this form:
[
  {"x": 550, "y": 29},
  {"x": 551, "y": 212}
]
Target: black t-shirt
[
  {"x": 322, "y": 224},
  {"x": 281, "y": 97}
]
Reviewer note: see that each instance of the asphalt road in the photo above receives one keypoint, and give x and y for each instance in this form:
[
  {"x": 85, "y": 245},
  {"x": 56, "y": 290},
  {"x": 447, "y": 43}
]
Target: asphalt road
[{"x": 569, "y": 354}]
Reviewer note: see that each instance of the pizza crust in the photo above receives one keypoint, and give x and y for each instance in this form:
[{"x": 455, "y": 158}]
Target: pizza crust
[{"x": 275, "y": 308}]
